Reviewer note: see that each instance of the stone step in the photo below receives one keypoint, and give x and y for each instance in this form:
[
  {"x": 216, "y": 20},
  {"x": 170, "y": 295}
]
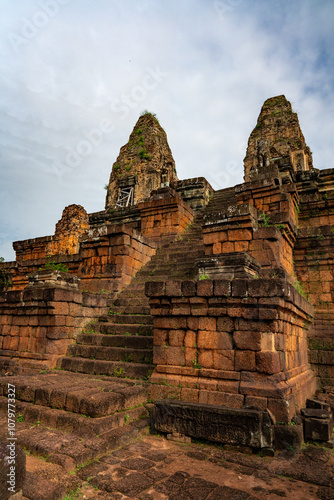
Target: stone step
[
  {"x": 321, "y": 357},
  {"x": 132, "y": 301},
  {"x": 138, "y": 319},
  {"x": 175, "y": 257},
  {"x": 134, "y": 286},
  {"x": 130, "y": 293},
  {"x": 80, "y": 439},
  {"x": 226, "y": 199},
  {"x": 170, "y": 270},
  {"x": 181, "y": 261},
  {"x": 192, "y": 248},
  {"x": 111, "y": 353},
  {"x": 175, "y": 260},
  {"x": 220, "y": 202},
  {"x": 145, "y": 279},
  {"x": 123, "y": 329},
  {"x": 185, "y": 240},
  {"x": 218, "y": 212},
  {"x": 111, "y": 368},
  {"x": 217, "y": 204},
  {"x": 114, "y": 310},
  {"x": 194, "y": 233},
  {"x": 129, "y": 341},
  {"x": 219, "y": 207},
  {"x": 182, "y": 257},
  {"x": 72, "y": 418},
  {"x": 222, "y": 195},
  {"x": 79, "y": 424},
  {"x": 83, "y": 394},
  {"x": 223, "y": 190},
  {"x": 323, "y": 343}
]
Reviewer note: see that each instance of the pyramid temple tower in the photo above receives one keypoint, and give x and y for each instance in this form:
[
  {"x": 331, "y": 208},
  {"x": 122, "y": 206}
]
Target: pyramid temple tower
[
  {"x": 214, "y": 305},
  {"x": 277, "y": 139},
  {"x": 144, "y": 164}
]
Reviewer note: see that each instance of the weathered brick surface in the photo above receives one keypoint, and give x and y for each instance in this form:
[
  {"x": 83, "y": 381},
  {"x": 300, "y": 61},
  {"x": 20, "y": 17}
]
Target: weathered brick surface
[
  {"x": 216, "y": 422},
  {"x": 41, "y": 322},
  {"x": 69, "y": 230},
  {"x": 313, "y": 255},
  {"x": 247, "y": 323},
  {"x": 146, "y": 161},
  {"x": 165, "y": 216},
  {"x": 268, "y": 362},
  {"x": 243, "y": 231},
  {"x": 277, "y": 134},
  {"x": 106, "y": 259},
  {"x": 245, "y": 361},
  {"x": 268, "y": 353}
]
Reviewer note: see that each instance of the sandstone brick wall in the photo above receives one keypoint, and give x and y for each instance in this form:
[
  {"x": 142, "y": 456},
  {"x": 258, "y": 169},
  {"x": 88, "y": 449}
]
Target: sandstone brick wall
[
  {"x": 66, "y": 240},
  {"x": 243, "y": 230},
  {"x": 108, "y": 258},
  {"x": 196, "y": 192},
  {"x": 165, "y": 216},
  {"x": 111, "y": 256},
  {"x": 21, "y": 270},
  {"x": 314, "y": 263},
  {"x": 32, "y": 249},
  {"x": 232, "y": 343},
  {"x": 250, "y": 334},
  {"x": 38, "y": 324}
]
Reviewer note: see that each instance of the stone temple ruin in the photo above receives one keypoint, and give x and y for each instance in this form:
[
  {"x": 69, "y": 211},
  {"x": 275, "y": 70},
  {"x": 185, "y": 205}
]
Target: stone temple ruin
[{"x": 210, "y": 312}]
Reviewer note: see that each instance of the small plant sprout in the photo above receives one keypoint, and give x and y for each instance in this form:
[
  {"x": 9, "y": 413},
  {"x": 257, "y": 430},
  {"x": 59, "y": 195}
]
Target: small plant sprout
[
  {"x": 265, "y": 220},
  {"x": 204, "y": 276}
]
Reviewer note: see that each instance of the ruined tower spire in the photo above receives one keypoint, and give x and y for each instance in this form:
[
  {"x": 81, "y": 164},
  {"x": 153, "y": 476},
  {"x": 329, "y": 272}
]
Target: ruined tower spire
[
  {"x": 143, "y": 164},
  {"x": 276, "y": 139}
]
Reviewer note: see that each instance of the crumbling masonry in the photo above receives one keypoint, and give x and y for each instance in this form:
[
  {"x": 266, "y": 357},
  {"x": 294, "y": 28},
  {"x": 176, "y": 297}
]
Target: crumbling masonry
[{"x": 220, "y": 298}]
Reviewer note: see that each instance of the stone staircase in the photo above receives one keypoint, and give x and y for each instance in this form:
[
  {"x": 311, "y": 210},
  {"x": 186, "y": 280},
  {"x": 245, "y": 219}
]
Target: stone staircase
[
  {"x": 121, "y": 344},
  {"x": 221, "y": 200},
  {"x": 70, "y": 419},
  {"x": 118, "y": 345},
  {"x": 97, "y": 399}
]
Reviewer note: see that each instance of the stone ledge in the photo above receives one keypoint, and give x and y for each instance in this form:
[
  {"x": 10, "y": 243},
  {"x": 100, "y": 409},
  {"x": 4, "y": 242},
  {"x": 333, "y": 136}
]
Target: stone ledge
[
  {"x": 254, "y": 288},
  {"x": 246, "y": 427}
]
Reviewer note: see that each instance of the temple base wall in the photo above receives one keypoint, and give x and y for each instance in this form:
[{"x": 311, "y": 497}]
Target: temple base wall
[
  {"x": 39, "y": 323},
  {"x": 232, "y": 343},
  {"x": 165, "y": 216},
  {"x": 314, "y": 264},
  {"x": 109, "y": 256}
]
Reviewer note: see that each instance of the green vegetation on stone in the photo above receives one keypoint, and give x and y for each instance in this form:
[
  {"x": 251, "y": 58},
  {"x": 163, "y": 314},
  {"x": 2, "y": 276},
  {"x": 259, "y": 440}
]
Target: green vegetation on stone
[
  {"x": 55, "y": 267},
  {"x": 146, "y": 112}
]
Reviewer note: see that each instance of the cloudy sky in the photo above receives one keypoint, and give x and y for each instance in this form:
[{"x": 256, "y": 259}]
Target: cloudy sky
[{"x": 76, "y": 74}]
